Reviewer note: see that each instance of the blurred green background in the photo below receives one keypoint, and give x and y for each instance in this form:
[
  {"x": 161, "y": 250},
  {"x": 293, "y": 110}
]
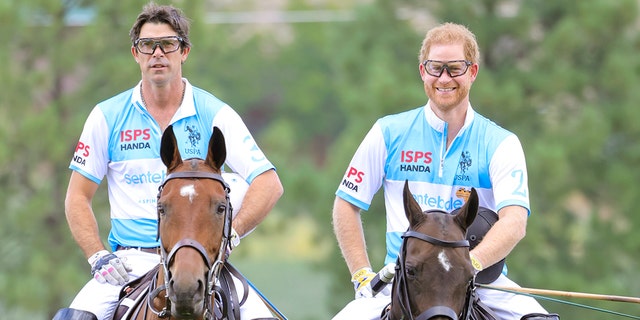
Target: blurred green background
[{"x": 310, "y": 77}]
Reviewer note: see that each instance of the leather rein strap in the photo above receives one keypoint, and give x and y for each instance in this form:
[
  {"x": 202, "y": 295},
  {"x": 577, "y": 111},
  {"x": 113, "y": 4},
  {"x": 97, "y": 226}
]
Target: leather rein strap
[{"x": 215, "y": 267}]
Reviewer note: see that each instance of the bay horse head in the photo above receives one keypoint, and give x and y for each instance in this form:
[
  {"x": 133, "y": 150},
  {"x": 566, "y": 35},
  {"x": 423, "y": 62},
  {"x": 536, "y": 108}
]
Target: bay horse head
[
  {"x": 194, "y": 225},
  {"x": 435, "y": 277}
]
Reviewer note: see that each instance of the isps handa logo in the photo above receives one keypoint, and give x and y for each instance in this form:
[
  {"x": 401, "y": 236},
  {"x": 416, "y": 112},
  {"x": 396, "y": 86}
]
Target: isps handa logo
[
  {"x": 81, "y": 153},
  {"x": 415, "y": 161},
  {"x": 135, "y": 139},
  {"x": 353, "y": 178}
]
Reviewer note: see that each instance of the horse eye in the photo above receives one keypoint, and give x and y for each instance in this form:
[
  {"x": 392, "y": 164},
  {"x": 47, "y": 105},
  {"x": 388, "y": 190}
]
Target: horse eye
[
  {"x": 161, "y": 209},
  {"x": 221, "y": 209},
  {"x": 411, "y": 272}
]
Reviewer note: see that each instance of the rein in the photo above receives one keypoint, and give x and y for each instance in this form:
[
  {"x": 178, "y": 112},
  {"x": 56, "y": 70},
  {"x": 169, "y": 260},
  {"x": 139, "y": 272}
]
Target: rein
[
  {"x": 402, "y": 282},
  {"x": 215, "y": 267}
]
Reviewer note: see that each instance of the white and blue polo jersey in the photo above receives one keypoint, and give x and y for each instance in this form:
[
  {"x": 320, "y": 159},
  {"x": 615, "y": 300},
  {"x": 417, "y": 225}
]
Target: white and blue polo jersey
[
  {"x": 121, "y": 141},
  {"x": 412, "y": 146}
]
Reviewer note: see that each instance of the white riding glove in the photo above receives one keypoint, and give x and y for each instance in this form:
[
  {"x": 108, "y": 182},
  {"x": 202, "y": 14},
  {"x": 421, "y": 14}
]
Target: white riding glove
[
  {"x": 107, "y": 267},
  {"x": 361, "y": 280},
  {"x": 234, "y": 241}
]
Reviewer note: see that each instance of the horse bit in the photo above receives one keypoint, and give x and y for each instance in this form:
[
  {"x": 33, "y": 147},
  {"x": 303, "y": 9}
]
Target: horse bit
[{"x": 214, "y": 268}]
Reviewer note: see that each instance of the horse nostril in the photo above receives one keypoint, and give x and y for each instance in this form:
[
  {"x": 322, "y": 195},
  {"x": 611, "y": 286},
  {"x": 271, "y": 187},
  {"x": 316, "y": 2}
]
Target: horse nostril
[
  {"x": 170, "y": 289},
  {"x": 201, "y": 285}
]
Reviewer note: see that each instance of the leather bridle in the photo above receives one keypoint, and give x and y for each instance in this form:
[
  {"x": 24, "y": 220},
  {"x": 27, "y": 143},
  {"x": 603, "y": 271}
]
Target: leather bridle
[
  {"x": 214, "y": 267},
  {"x": 401, "y": 282}
]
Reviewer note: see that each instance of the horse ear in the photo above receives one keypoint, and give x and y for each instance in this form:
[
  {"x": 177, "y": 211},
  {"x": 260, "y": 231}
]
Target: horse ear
[
  {"x": 217, "y": 149},
  {"x": 169, "y": 152},
  {"x": 469, "y": 210},
  {"x": 411, "y": 207}
]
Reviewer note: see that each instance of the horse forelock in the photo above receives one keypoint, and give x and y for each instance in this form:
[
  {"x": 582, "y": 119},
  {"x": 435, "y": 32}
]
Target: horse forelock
[
  {"x": 193, "y": 164},
  {"x": 196, "y": 164},
  {"x": 438, "y": 223}
]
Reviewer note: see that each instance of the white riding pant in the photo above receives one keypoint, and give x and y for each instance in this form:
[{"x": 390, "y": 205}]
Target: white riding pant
[
  {"x": 102, "y": 299},
  {"x": 506, "y": 305}
]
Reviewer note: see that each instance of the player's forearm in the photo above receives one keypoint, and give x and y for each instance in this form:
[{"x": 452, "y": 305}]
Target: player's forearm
[
  {"x": 83, "y": 226},
  {"x": 502, "y": 237},
  {"x": 263, "y": 194},
  {"x": 347, "y": 227}
]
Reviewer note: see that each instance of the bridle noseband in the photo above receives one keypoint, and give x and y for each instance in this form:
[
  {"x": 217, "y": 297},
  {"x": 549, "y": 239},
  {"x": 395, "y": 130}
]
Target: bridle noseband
[
  {"x": 402, "y": 282},
  {"x": 215, "y": 267}
]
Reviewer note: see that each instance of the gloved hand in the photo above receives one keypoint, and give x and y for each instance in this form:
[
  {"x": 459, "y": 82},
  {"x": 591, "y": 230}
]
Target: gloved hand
[
  {"x": 361, "y": 280},
  {"x": 234, "y": 241},
  {"x": 107, "y": 267}
]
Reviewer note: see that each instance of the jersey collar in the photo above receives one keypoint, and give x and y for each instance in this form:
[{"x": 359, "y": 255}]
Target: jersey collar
[
  {"x": 440, "y": 125},
  {"x": 186, "y": 109}
]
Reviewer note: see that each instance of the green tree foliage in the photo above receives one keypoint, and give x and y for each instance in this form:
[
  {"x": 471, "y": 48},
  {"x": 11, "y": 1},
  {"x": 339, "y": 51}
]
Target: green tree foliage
[{"x": 560, "y": 74}]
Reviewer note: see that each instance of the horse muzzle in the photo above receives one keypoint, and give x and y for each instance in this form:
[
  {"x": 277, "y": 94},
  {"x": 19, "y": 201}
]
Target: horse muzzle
[
  {"x": 438, "y": 313},
  {"x": 187, "y": 285}
]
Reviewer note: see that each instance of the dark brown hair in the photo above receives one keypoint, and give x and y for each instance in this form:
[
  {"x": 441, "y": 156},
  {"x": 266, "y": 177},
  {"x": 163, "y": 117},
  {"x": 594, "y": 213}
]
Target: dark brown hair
[{"x": 153, "y": 13}]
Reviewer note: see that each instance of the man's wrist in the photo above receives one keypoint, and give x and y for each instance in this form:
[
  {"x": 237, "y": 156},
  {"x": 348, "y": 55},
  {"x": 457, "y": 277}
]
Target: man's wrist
[
  {"x": 94, "y": 257},
  {"x": 234, "y": 238},
  {"x": 477, "y": 265},
  {"x": 356, "y": 276}
]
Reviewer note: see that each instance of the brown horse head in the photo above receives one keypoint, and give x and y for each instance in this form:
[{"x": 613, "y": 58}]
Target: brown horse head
[
  {"x": 193, "y": 225},
  {"x": 435, "y": 269}
]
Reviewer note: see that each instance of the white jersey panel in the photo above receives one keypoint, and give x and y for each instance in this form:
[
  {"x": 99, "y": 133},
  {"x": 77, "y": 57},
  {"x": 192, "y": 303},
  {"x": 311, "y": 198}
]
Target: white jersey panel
[
  {"x": 509, "y": 168},
  {"x": 95, "y": 132},
  {"x": 135, "y": 184},
  {"x": 243, "y": 154},
  {"x": 365, "y": 173},
  {"x": 238, "y": 187}
]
